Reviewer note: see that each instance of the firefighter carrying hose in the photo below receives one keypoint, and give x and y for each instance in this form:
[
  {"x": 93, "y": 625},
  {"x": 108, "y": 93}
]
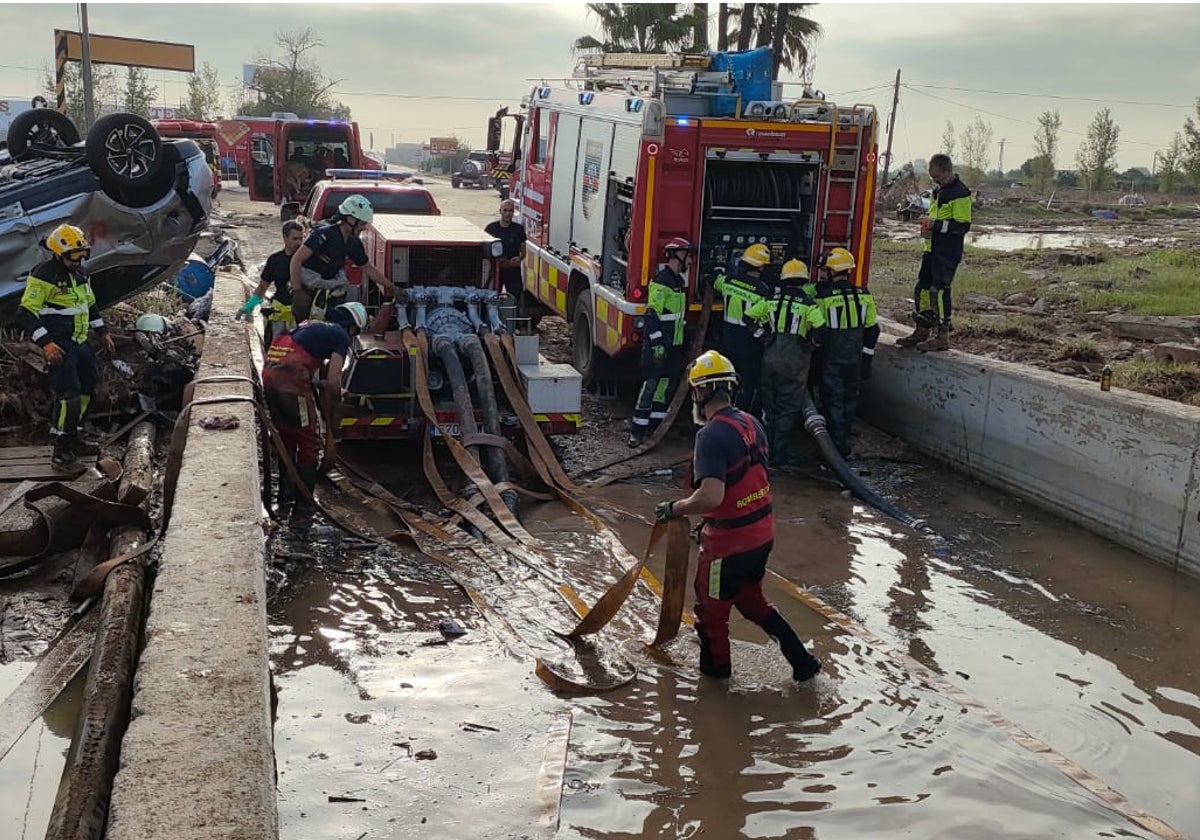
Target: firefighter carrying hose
[
  {"x": 732, "y": 492},
  {"x": 318, "y": 268},
  {"x": 845, "y": 358},
  {"x": 662, "y": 340},
  {"x": 796, "y": 325},
  {"x": 741, "y": 340},
  {"x": 293, "y": 359},
  {"x": 58, "y": 309}
]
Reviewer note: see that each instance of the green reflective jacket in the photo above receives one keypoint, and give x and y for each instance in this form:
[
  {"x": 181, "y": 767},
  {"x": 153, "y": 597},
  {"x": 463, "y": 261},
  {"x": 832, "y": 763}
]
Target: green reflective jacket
[
  {"x": 666, "y": 306},
  {"x": 790, "y": 313},
  {"x": 58, "y": 305}
]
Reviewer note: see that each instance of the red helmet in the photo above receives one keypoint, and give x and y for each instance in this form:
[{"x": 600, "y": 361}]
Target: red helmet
[{"x": 677, "y": 243}]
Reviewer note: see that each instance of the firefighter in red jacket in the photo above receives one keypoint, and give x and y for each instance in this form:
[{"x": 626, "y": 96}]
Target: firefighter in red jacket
[
  {"x": 732, "y": 493},
  {"x": 292, "y": 362}
]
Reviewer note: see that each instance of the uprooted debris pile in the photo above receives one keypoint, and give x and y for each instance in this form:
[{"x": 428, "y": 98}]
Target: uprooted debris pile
[{"x": 157, "y": 351}]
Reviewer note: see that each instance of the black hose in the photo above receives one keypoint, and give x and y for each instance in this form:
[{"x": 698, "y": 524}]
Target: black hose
[
  {"x": 814, "y": 424},
  {"x": 496, "y": 465}
]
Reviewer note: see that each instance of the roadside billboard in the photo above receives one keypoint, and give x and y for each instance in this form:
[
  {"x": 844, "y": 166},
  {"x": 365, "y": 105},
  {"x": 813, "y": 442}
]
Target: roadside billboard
[
  {"x": 439, "y": 146},
  {"x": 10, "y": 106}
]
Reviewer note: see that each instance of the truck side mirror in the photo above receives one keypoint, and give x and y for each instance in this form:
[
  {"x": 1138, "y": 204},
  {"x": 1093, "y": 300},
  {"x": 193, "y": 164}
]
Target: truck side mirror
[{"x": 493, "y": 133}]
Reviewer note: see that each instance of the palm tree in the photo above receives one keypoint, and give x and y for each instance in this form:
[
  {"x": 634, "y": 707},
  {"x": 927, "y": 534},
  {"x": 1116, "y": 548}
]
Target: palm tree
[
  {"x": 781, "y": 26},
  {"x": 639, "y": 27}
]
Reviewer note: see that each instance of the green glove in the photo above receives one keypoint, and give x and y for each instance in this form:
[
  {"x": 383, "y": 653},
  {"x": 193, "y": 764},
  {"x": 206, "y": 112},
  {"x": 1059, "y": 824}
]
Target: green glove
[
  {"x": 658, "y": 352},
  {"x": 664, "y": 511},
  {"x": 245, "y": 311}
]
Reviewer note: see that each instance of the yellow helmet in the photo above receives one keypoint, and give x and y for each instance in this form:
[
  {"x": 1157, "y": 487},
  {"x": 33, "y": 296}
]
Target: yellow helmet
[
  {"x": 794, "y": 270},
  {"x": 67, "y": 239},
  {"x": 838, "y": 261},
  {"x": 757, "y": 255},
  {"x": 711, "y": 368}
]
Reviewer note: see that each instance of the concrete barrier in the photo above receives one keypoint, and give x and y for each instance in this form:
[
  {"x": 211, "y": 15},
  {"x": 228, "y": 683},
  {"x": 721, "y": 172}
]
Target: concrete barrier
[
  {"x": 1122, "y": 464},
  {"x": 197, "y": 762}
]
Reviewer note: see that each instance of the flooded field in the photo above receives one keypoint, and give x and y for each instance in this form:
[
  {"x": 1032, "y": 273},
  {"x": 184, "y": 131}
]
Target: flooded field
[{"x": 1001, "y": 238}]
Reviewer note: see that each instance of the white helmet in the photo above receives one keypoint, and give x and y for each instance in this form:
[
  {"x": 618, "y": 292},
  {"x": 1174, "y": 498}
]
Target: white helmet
[
  {"x": 357, "y": 207},
  {"x": 357, "y": 313}
]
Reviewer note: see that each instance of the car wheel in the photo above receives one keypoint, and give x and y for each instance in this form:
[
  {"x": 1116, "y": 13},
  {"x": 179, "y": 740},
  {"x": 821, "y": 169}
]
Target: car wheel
[
  {"x": 40, "y": 127},
  {"x": 583, "y": 342},
  {"x": 455, "y": 182},
  {"x": 126, "y": 154}
]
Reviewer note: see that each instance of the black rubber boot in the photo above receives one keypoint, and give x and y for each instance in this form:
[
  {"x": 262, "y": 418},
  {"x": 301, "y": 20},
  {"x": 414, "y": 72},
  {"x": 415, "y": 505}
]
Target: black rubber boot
[
  {"x": 804, "y": 665},
  {"x": 62, "y": 457},
  {"x": 707, "y": 667}
]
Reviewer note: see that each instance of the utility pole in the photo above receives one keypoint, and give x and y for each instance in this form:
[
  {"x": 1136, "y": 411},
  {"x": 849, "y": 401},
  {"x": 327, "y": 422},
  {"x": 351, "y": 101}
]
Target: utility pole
[
  {"x": 887, "y": 156},
  {"x": 85, "y": 70},
  {"x": 1000, "y": 165}
]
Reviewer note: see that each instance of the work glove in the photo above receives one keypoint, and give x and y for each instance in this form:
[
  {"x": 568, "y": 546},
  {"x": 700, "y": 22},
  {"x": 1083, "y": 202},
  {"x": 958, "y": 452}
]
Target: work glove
[
  {"x": 864, "y": 367},
  {"x": 106, "y": 341},
  {"x": 245, "y": 311},
  {"x": 664, "y": 511},
  {"x": 54, "y": 354},
  {"x": 658, "y": 353}
]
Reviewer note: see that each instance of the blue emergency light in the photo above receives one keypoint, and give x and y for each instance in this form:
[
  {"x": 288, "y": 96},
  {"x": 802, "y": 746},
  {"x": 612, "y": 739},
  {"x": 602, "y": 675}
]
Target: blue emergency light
[{"x": 367, "y": 175}]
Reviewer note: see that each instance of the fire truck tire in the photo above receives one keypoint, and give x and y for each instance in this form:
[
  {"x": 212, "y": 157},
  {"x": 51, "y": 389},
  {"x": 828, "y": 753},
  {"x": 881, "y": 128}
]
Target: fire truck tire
[{"x": 585, "y": 355}]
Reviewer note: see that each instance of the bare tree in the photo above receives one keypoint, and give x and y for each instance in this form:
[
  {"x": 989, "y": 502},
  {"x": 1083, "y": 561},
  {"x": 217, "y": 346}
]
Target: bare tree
[
  {"x": 295, "y": 82},
  {"x": 1097, "y": 153},
  {"x": 976, "y": 142},
  {"x": 948, "y": 141},
  {"x": 1045, "y": 145},
  {"x": 104, "y": 88},
  {"x": 1171, "y": 164},
  {"x": 1191, "y": 148}
]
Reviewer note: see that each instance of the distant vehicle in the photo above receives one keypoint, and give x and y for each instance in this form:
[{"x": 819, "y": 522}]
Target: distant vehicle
[
  {"x": 1131, "y": 200},
  {"x": 143, "y": 202},
  {"x": 475, "y": 172},
  {"x": 914, "y": 206}
]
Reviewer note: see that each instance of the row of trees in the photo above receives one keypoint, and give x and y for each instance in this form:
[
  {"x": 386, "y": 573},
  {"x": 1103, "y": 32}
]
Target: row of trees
[
  {"x": 671, "y": 27},
  {"x": 293, "y": 82}
]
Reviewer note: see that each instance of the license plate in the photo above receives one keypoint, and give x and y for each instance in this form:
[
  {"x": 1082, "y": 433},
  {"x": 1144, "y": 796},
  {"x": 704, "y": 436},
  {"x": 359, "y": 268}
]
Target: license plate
[{"x": 452, "y": 429}]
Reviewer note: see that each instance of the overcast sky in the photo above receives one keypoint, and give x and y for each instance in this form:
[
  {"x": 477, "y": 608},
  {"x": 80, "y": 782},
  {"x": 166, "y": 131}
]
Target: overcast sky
[{"x": 415, "y": 70}]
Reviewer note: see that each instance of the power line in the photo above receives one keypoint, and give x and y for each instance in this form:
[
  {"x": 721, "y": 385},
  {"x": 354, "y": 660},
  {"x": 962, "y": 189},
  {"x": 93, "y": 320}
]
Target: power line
[
  {"x": 1016, "y": 119},
  {"x": 1105, "y": 101}
]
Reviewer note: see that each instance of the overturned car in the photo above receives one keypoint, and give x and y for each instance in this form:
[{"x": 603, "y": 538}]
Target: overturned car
[{"x": 143, "y": 202}]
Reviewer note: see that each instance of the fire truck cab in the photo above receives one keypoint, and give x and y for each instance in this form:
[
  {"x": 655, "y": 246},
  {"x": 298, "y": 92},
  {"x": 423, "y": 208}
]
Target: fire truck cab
[{"x": 637, "y": 149}]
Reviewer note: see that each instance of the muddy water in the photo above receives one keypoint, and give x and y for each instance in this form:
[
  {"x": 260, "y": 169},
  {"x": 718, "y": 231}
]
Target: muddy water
[
  {"x": 1000, "y": 238},
  {"x": 29, "y": 773},
  {"x": 1071, "y": 640}
]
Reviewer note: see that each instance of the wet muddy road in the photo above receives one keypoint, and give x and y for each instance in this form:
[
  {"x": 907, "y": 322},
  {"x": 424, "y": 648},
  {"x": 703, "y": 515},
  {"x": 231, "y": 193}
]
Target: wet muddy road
[
  {"x": 1028, "y": 625},
  {"x": 987, "y": 691}
]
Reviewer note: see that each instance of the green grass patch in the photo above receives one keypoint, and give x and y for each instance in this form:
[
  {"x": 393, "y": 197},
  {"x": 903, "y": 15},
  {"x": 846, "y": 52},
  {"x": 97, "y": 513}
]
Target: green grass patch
[
  {"x": 1079, "y": 350},
  {"x": 1178, "y": 381},
  {"x": 1024, "y": 327}
]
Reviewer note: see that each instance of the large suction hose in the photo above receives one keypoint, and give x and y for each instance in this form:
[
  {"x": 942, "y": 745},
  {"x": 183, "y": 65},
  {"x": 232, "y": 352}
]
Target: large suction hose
[
  {"x": 497, "y": 468},
  {"x": 814, "y": 424}
]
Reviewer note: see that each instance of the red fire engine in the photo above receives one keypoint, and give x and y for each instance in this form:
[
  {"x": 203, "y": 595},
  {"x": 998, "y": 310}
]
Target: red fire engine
[{"x": 637, "y": 149}]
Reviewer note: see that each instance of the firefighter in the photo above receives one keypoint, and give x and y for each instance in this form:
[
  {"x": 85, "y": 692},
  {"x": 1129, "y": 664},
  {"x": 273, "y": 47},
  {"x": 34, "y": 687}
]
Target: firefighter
[
  {"x": 731, "y": 491},
  {"x": 944, "y": 230},
  {"x": 741, "y": 338},
  {"x": 277, "y": 271},
  {"x": 293, "y": 359},
  {"x": 58, "y": 309},
  {"x": 845, "y": 358},
  {"x": 796, "y": 325},
  {"x": 318, "y": 268},
  {"x": 662, "y": 340}
]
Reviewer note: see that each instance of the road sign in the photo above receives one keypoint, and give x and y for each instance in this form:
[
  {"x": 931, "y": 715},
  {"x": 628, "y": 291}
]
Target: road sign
[{"x": 439, "y": 146}]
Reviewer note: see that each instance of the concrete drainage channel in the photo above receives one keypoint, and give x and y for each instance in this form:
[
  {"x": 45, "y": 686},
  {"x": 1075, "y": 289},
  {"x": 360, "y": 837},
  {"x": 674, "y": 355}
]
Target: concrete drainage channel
[{"x": 1123, "y": 465}]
